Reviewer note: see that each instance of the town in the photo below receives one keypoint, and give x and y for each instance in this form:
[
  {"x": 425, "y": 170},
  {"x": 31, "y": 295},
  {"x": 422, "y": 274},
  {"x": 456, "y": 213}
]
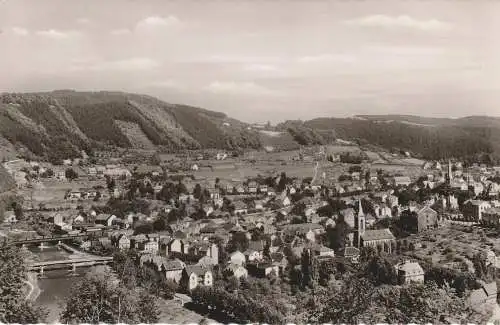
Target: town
[{"x": 265, "y": 226}]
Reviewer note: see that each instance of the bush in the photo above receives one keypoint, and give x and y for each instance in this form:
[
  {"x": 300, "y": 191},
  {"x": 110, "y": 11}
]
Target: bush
[{"x": 448, "y": 250}]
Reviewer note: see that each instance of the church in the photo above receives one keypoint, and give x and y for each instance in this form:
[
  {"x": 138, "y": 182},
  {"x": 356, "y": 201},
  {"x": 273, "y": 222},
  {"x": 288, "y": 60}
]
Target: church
[{"x": 380, "y": 239}]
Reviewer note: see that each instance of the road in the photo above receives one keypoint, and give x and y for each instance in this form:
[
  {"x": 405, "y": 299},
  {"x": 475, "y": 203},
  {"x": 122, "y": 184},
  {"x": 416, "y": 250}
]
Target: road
[{"x": 315, "y": 174}]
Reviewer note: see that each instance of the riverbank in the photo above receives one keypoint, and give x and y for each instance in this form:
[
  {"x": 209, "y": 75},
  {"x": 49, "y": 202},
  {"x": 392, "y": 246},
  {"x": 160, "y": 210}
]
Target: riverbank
[{"x": 34, "y": 287}]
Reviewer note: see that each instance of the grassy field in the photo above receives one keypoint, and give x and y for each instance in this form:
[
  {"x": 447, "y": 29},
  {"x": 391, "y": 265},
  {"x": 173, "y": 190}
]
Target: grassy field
[
  {"x": 174, "y": 313},
  {"x": 53, "y": 191},
  {"x": 243, "y": 171},
  {"x": 336, "y": 149}
]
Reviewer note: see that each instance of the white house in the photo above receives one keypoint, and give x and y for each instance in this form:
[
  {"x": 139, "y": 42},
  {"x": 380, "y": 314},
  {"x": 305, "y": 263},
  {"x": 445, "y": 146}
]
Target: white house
[
  {"x": 124, "y": 242},
  {"x": 410, "y": 272},
  {"x": 237, "y": 258},
  {"x": 195, "y": 275}
]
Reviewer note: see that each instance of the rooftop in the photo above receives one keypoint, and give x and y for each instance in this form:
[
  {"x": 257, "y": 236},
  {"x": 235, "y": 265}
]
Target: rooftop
[{"x": 377, "y": 234}]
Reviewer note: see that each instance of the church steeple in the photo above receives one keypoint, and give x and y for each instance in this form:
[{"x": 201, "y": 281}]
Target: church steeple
[
  {"x": 361, "y": 224},
  {"x": 449, "y": 176},
  {"x": 360, "y": 209}
]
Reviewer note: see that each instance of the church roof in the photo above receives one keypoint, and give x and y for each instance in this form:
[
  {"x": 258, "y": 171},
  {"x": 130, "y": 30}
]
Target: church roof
[{"x": 377, "y": 234}]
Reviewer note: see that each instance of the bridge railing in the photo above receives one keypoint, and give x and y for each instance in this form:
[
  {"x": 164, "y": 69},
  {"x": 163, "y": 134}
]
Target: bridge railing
[
  {"x": 53, "y": 238},
  {"x": 70, "y": 262}
]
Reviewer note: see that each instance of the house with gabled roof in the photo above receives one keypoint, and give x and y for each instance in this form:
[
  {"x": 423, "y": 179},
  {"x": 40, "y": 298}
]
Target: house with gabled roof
[
  {"x": 173, "y": 269},
  {"x": 123, "y": 242},
  {"x": 105, "y": 219},
  {"x": 196, "y": 275},
  {"x": 427, "y": 219},
  {"x": 410, "y": 272},
  {"x": 178, "y": 246}
]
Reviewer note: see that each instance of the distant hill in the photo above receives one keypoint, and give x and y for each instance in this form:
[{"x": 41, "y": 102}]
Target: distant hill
[
  {"x": 474, "y": 138},
  {"x": 61, "y": 123}
]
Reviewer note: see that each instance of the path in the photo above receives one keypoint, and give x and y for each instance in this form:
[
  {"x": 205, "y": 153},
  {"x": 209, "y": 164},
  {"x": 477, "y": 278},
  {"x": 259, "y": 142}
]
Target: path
[
  {"x": 182, "y": 297},
  {"x": 315, "y": 172}
]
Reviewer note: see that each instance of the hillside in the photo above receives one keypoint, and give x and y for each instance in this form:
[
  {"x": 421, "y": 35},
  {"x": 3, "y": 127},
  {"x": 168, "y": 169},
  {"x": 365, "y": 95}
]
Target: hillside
[
  {"x": 59, "y": 124},
  {"x": 472, "y": 138},
  {"x": 6, "y": 181}
]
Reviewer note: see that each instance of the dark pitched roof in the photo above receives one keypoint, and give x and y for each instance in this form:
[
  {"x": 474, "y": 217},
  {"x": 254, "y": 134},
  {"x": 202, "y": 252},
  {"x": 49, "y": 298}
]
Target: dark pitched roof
[
  {"x": 256, "y": 245},
  {"x": 173, "y": 265},
  {"x": 196, "y": 269},
  {"x": 351, "y": 251},
  {"x": 377, "y": 234}
]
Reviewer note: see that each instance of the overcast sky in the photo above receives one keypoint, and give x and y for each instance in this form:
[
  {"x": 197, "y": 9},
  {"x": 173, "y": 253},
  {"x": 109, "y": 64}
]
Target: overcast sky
[{"x": 262, "y": 60}]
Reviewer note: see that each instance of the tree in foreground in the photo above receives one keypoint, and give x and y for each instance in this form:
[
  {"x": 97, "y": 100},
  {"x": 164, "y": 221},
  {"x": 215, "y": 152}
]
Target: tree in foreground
[
  {"x": 99, "y": 298},
  {"x": 14, "y": 307},
  {"x": 359, "y": 301}
]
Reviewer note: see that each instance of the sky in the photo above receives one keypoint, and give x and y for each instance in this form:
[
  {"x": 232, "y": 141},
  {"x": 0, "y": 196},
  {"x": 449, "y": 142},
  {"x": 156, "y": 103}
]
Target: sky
[{"x": 263, "y": 60}]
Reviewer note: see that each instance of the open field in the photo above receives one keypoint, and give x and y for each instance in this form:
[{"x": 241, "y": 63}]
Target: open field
[
  {"x": 174, "y": 313},
  {"x": 51, "y": 192},
  {"x": 272, "y": 133},
  {"x": 272, "y": 156},
  {"x": 412, "y": 171},
  {"x": 242, "y": 171},
  {"x": 409, "y": 161},
  {"x": 336, "y": 149},
  {"x": 374, "y": 156}
]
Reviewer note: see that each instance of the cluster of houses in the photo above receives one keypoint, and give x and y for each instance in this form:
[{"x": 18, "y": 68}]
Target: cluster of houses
[{"x": 192, "y": 249}]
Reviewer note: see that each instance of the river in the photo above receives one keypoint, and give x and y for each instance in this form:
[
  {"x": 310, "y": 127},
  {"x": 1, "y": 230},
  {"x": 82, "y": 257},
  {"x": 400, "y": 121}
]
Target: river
[{"x": 55, "y": 285}]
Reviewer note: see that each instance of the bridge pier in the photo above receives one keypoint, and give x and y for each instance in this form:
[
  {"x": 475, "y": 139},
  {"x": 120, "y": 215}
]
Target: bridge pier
[
  {"x": 41, "y": 272},
  {"x": 72, "y": 272}
]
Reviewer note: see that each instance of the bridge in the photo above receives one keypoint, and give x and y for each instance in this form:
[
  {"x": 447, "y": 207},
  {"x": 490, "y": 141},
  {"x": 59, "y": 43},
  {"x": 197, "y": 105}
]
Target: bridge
[
  {"x": 69, "y": 264},
  {"x": 52, "y": 239}
]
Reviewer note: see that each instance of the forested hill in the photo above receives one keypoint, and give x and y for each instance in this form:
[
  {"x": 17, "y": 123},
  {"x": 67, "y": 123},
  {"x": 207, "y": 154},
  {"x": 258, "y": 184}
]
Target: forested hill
[
  {"x": 6, "y": 181},
  {"x": 472, "y": 138},
  {"x": 59, "y": 124}
]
